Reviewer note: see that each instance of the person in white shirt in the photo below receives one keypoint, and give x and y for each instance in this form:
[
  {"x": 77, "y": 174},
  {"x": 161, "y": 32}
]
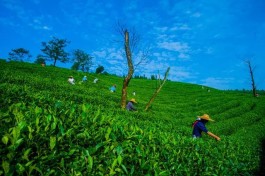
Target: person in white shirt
[
  {"x": 71, "y": 80},
  {"x": 95, "y": 80}
]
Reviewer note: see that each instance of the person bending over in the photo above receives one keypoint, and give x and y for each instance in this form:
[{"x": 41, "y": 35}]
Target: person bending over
[{"x": 199, "y": 127}]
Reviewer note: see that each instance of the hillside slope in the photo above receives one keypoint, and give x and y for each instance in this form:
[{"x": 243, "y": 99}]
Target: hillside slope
[{"x": 50, "y": 127}]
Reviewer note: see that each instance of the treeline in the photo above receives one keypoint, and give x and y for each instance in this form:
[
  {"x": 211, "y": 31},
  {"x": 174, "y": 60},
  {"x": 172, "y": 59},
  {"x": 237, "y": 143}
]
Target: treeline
[
  {"x": 152, "y": 77},
  {"x": 54, "y": 51}
]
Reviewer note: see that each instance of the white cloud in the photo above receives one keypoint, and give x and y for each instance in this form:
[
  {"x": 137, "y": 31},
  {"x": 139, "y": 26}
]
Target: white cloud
[
  {"x": 37, "y": 24},
  {"x": 209, "y": 50},
  {"x": 180, "y": 74},
  {"x": 179, "y": 27},
  {"x": 17, "y": 9},
  {"x": 196, "y": 15},
  {"x": 8, "y": 22},
  {"x": 161, "y": 29},
  {"x": 101, "y": 54},
  {"x": 183, "y": 56},
  {"x": 219, "y": 83},
  {"x": 174, "y": 46},
  {"x": 46, "y": 28}
]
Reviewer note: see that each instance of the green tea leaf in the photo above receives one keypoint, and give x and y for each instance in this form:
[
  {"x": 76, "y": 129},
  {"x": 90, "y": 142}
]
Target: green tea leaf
[
  {"x": 108, "y": 133},
  {"x": 96, "y": 116},
  {"x": 114, "y": 164},
  {"x": 99, "y": 145},
  {"x": 58, "y": 104},
  {"x": 21, "y": 125},
  {"x": 53, "y": 125},
  {"x": 90, "y": 161},
  {"x": 52, "y": 142},
  {"x": 119, "y": 159},
  {"x": 62, "y": 163},
  {"x": 38, "y": 110},
  {"x": 15, "y": 133},
  {"x": 61, "y": 129},
  {"x": 48, "y": 118},
  {"x": 164, "y": 173},
  {"x": 5, "y": 166},
  {"x": 119, "y": 150},
  {"x": 34, "y": 168},
  {"x": 5, "y": 140},
  {"x": 72, "y": 151},
  {"x": 29, "y": 163},
  {"x": 124, "y": 168},
  {"x": 19, "y": 168},
  {"x": 26, "y": 153}
]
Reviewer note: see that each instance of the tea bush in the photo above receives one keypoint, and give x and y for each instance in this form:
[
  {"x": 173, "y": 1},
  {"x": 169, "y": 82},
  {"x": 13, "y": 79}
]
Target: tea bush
[{"x": 49, "y": 127}]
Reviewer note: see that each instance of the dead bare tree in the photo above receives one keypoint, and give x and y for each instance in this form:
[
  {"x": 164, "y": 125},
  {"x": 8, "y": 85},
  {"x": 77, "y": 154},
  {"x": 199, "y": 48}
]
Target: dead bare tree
[
  {"x": 127, "y": 79},
  {"x": 252, "y": 77},
  {"x": 157, "y": 90},
  {"x": 131, "y": 43}
]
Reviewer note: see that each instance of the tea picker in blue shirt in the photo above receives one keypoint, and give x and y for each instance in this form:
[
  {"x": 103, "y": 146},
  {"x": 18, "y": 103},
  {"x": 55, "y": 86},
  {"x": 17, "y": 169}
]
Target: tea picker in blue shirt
[
  {"x": 113, "y": 88},
  {"x": 199, "y": 127},
  {"x": 130, "y": 105},
  {"x": 84, "y": 79}
]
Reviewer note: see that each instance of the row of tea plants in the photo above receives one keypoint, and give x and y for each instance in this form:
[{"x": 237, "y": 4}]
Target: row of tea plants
[{"x": 49, "y": 127}]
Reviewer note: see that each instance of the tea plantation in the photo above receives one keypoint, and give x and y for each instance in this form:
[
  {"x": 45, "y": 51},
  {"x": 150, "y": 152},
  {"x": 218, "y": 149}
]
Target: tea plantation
[{"x": 49, "y": 127}]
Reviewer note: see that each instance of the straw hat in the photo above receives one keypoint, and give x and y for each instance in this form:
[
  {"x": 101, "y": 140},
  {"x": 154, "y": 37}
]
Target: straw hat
[
  {"x": 206, "y": 117},
  {"x": 133, "y": 100}
]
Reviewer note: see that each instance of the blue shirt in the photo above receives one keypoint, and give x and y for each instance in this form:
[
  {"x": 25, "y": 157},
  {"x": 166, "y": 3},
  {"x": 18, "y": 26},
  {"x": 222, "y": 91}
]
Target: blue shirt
[
  {"x": 130, "y": 106},
  {"x": 198, "y": 128},
  {"x": 113, "y": 89},
  {"x": 84, "y": 79}
]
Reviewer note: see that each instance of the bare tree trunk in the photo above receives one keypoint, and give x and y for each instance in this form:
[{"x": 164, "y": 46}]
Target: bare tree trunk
[
  {"x": 159, "y": 80},
  {"x": 130, "y": 69},
  {"x": 252, "y": 78},
  {"x": 157, "y": 90}
]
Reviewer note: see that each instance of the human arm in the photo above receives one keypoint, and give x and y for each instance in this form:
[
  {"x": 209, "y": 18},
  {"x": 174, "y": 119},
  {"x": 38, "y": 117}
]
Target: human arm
[
  {"x": 214, "y": 136},
  {"x": 204, "y": 129}
]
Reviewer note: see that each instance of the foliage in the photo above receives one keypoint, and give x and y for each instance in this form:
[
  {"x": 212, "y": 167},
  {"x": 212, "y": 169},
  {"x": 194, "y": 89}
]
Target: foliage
[
  {"x": 75, "y": 66},
  {"x": 140, "y": 77},
  {"x": 55, "y": 50},
  {"x": 19, "y": 54},
  {"x": 105, "y": 73},
  {"x": 82, "y": 60},
  {"x": 99, "y": 69},
  {"x": 153, "y": 77},
  {"x": 51, "y": 128},
  {"x": 40, "y": 59}
]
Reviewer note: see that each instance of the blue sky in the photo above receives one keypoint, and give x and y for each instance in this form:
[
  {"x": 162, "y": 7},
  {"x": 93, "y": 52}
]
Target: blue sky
[{"x": 203, "y": 41}]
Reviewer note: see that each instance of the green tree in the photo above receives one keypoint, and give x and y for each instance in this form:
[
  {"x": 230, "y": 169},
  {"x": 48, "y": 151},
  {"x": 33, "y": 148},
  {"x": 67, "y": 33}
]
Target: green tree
[
  {"x": 75, "y": 66},
  {"x": 19, "y": 54},
  {"x": 153, "y": 77},
  {"x": 100, "y": 69},
  {"x": 40, "y": 59},
  {"x": 82, "y": 60},
  {"x": 54, "y": 50}
]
